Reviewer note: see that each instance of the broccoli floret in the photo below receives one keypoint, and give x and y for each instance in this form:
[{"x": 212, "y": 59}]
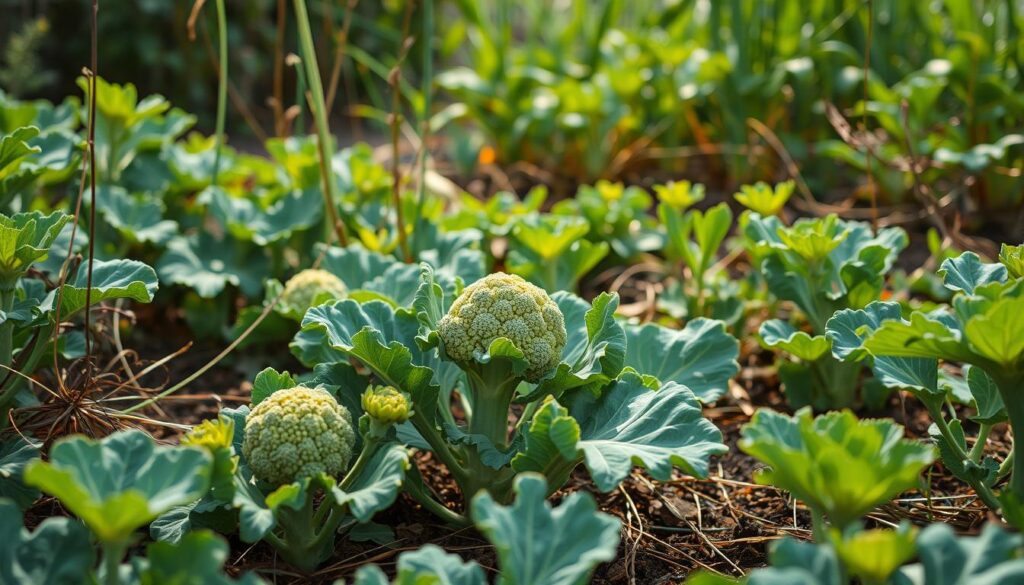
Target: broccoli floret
[
  {"x": 303, "y": 289},
  {"x": 505, "y": 305},
  {"x": 295, "y": 433},
  {"x": 387, "y": 405}
]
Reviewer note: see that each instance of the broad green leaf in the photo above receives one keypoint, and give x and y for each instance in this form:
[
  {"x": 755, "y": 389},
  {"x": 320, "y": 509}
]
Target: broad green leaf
[
  {"x": 780, "y": 335},
  {"x": 964, "y": 469},
  {"x": 595, "y": 347},
  {"x": 15, "y": 454},
  {"x": 550, "y": 444},
  {"x": 207, "y": 265},
  {"x": 250, "y": 220},
  {"x": 836, "y": 464},
  {"x": 923, "y": 337},
  {"x": 427, "y": 565},
  {"x": 548, "y": 236},
  {"x": 630, "y": 424},
  {"x": 380, "y": 339},
  {"x": 540, "y": 545},
  {"x": 197, "y": 560},
  {"x": 111, "y": 279},
  {"x": 1012, "y": 257},
  {"x": 57, "y": 552},
  {"x": 998, "y": 334},
  {"x": 987, "y": 400},
  {"x": 702, "y": 356},
  {"x": 121, "y": 483},
  {"x": 561, "y": 273},
  {"x": 137, "y": 218},
  {"x": 874, "y": 555},
  {"x": 946, "y": 559},
  {"x": 848, "y": 329},
  {"x": 967, "y": 272},
  {"x": 814, "y": 239},
  {"x": 761, "y": 198},
  {"x": 362, "y": 270},
  {"x": 378, "y": 486},
  {"x": 269, "y": 381},
  {"x": 26, "y": 238},
  {"x": 14, "y": 147}
]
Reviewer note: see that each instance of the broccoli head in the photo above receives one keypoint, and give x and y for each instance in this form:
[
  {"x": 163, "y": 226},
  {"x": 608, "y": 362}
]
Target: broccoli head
[
  {"x": 302, "y": 290},
  {"x": 387, "y": 405},
  {"x": 505, "y": 305},
  {"x": 298, "y": 432}
]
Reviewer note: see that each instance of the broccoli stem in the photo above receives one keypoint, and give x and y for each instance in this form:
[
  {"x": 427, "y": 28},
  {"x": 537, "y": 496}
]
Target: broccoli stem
[
  {"x": 934, "y": 406},
  {"x": 1010, "y": 384},
  {"x": 307, "y": 533},
  {"x": 491, "y": 392},
  {"x": 113, "y": 552}
]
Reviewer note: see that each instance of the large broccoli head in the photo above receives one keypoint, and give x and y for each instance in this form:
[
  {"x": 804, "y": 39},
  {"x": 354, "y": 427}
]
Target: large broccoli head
[
  {"x": 298, "y": 433},
  {"x": 302, "y": 290},
  {"x": 504, "y": 305}
]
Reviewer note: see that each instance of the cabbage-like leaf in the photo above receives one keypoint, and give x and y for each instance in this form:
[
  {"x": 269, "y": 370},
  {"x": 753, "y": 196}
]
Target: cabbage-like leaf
[
  {"x": 57, "y": 552},
  {"x": 137, "y": 218},
  {"x": 428, "y": 564},
  {"x": 207, "y": 266},
  {"x": 540, "y": 545},
  {"x": 991, "y": 558},
  {"x": 701, "y": 356},
  {"x": 874, "y": 555},
  {"x": 967, "y": 272},
  {"x": 25, "y": 238},
  {"x": 198, "y": 558},
  {"x": 780, "y": 335},
  {"x": 848, "y": 329},
  {"x": 269, "y": 381},
  {"x": 595, "y": 346},
  {"x": 838, "y": 465},
  {"x": 986, "y": 397},
  {"x": 248, "y": 220},
  {"x": 15, "y": 454},
  {"x": 631, "y": 424},
  {"x": 550, "y": 444},
  {"x": 376, "y": 488},
  {"x": 111, "y": 279},
  {"x": 122, "y": 482}
]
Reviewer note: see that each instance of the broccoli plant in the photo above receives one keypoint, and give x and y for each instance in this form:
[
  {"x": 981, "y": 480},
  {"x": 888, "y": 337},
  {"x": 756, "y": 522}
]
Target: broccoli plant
[
  {"x": 524, "y": 535},
  {"x": 982, "y": 330},
  {"x": 821, "y": 266},
  {"x": 503, "y": 342},
  {"x": 297, "y": 468}
]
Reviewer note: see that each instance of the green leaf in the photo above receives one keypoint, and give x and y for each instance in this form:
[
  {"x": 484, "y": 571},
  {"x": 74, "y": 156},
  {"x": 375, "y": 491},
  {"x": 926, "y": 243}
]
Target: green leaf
[
  {"x": 208, "y": 265},
  {"x": 26, "y": 238},
  {"x": 630, "y": 424},
  {"x": 111, "y": 279},
  {"x": 966, "y": 272},
  {"x": 1012, "y": 257},
  {"x": 377, "y": 487},
  {"x": 269, "y": 381},
  {"x": 595, "y": 346},
  {"x": 550, "y": 444},
  {"x": 702, "y": 356},
  {"x": 998, "y": 334},
  {"x": 763, "y": 199},
  {"x": 987, "y": 400},
  {"x": 121, "y": 483},
  {"x": 427, "y": 565},
  {"x": 540, "y": 545},
  {"x": 838, "y": 465},
  {"x": 58, "y": 552},
  {"x": 780, "y": 335},
  {"x": 874, "y": 555},
  {"x": 379, "y": 338},
  {"x": 138, "y": 218},
  {"x": 848, "y": 329},
  {"x": 14, "y": 147},
  {"x": 197, "y": 560},
  {"x": 923, "y": 336},
  {"x": 991, "y": 558},
  {"x": 15, "y": 454},
  {"x": 249, "y": 220}
]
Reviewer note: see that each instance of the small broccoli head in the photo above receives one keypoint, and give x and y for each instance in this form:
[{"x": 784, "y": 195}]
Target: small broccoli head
[
  {"x": 505, "y": 305},
  {"x": 298, "y": 433},
  {"x": 387, "y": 405},
  {"x": 302, "y": 290}
]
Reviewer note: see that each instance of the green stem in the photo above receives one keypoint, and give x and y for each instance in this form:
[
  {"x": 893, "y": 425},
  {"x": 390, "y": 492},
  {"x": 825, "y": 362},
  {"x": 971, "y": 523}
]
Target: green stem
[
  {"x": 222, "y": 86},
  {"x": 323, "y": 131},
  {"x": 113, "y": 552},
  {"x": 428, "y": 83},
  {"x": 983, "y": 491},
  {"x": 439, "y": 446},
  {"x": 1006, "y": 466},
  {"x": 492, "y": 389},
  {"x": 414, "y": 487},
  {"x": 979, "y": 444},
  {"x": 7, "y": 327},
  {"x": 370, "y": 446},
  {"x": 1010, "y": 385},
  {"x": 818, "y": 527}
]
